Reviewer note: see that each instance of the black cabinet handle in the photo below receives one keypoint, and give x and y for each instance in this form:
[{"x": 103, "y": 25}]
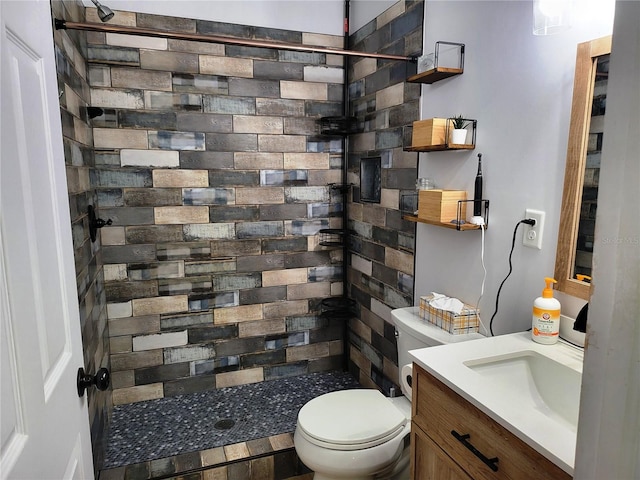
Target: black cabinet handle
[{"x": 489, "y": 462}]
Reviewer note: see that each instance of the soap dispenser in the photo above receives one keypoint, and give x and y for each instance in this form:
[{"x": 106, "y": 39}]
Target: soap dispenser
[{"x": 546, "y": 316}]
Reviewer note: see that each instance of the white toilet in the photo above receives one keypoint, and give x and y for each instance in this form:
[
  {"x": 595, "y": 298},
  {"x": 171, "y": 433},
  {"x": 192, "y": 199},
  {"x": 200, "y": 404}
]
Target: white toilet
[{"x": 361, "y": 434}]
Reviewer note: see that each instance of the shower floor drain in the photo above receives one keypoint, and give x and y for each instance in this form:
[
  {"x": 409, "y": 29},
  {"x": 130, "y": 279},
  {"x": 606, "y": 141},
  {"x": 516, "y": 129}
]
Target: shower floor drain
[{"x": 224, "y": 424}]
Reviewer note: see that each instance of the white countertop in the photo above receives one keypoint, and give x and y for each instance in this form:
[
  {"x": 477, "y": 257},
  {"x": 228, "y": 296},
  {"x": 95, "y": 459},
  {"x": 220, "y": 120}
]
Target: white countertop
[{"x": 554, "y": 440}]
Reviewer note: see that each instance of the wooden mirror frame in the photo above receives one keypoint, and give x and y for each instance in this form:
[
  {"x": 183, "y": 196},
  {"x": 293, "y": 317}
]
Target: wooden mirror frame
[{"x": 583, "y": 85}]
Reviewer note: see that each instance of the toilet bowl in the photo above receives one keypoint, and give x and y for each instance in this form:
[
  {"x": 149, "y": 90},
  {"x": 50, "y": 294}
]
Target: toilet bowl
[
  {"x": 360, "y": 434},
  {"x": 354, "y": 434}
]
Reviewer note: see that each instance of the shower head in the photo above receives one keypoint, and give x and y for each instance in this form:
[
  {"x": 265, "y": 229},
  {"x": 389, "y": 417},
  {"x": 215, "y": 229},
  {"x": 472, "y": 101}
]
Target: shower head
[{"x": 104, "y": 13}]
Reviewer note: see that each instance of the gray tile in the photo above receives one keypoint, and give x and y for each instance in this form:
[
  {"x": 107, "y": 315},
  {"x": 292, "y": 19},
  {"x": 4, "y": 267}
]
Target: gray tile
[
  {"x": 161, "y": 22},
  {"x": 161, "y": 373},
  {"x": 307, "y": 259},
  {"x": 239, "y": 346},
  {"x": 229, "y": 105},
  {"x": 232, "y": 142},
  {"x": 283, "y": 107},
  {"x": 152, "y": 197},
  {"x": 278, "y": 70},
  {"x": 182, "y": 321},
  {"x": 301, "y": 57},
  {"x": 305, "y": 323},
  {"x": 201, "y": 302},
  {"x": 236, "y": 281},
  {"x": 208, "y": 334},
  {"x": 125, "y": 291},
  {"x": 260, "y": 263},
  {"x": 177, "y": 251},
  {"x": 271, "y": 357},
  {"x": 139, "y": 471},
  {"x": 254, "y": 88},
  {"x": 217, "y": 365},
  {"x": 224, "y": 248},
  {"x": 113, "y": 55},
  {"x": 208, "y": 196},
  {"x": 284, "y": 245},
  {"x": 162, "y": 466},
  {"x": 182, "y": 286},
  {"x": 250, "y": 52},
  {"x": 259, "y": 229},
  {"x": 128, "y": 215},
  {"x": 128, "y": 253},
  {"x": 153, "y": 120},
  {"x": 259, "y": 410},
  {"x": 189, "y": 385},
  {"x": 153, "y": 234},
  {"x": 234, "y": 213},
  {"x": 204, "y": 122},
  {"x": 166, "y": 140},
  {"x": 288, "y": 370},
  {"x": 206, "y": 160},
  {"x": 288, "y": 340},
  {"x": 190, "y": 83},
  {"x": 263, "y": 295},
  {"x": 120, "y": 178},
  {"x": 234, "y": 178}
]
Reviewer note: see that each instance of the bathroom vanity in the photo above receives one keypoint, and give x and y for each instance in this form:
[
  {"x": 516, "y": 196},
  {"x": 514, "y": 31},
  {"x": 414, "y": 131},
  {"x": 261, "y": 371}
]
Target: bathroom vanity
[
  {"x": 495, "y": 409},
  {"x": 441, "y": 421}
]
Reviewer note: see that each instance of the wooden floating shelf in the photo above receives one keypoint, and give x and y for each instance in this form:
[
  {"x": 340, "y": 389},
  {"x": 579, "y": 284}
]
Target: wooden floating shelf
[
  {"x": 434, "y": 75},
  {"x": 441, "y": 148},
  {"x": 453, "y": 226}
]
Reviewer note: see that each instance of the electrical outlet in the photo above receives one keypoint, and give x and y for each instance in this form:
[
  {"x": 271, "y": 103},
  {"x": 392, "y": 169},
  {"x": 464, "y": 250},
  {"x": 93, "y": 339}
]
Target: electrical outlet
[{"x": 532, "y": 236}]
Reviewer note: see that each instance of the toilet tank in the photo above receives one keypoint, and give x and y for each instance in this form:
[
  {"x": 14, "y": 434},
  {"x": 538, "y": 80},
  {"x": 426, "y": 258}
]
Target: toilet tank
[{"x": 412, "y": 333}]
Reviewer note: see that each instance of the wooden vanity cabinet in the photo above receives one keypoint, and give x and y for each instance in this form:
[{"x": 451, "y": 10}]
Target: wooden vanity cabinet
[{"x": 444, "y": 429}]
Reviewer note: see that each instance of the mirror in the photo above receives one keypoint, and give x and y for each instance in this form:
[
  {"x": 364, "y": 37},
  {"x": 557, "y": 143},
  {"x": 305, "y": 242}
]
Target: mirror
[{"x": 575, "y": 236}]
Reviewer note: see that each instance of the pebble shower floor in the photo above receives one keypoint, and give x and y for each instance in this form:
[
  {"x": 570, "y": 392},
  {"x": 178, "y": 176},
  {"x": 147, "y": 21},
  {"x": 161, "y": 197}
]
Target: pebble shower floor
[{"x": 170, "y": 426}]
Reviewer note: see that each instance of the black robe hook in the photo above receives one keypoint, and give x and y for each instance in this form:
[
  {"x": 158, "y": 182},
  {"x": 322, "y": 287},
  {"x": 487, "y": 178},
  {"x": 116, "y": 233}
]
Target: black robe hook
[{"x": 95, "y": 223}]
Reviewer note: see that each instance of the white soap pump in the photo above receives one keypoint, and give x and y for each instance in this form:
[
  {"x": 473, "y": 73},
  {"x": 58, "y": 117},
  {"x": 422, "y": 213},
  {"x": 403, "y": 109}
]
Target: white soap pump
[{"x": 546, "y": 316}]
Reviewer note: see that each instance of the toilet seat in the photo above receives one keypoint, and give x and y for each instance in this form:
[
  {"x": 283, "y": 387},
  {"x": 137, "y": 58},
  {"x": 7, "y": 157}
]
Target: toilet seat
[{"x": 350, "y": 420}]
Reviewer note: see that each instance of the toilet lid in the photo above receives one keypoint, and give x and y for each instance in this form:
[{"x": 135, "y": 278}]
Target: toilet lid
[{"x": 351, "y": 418}]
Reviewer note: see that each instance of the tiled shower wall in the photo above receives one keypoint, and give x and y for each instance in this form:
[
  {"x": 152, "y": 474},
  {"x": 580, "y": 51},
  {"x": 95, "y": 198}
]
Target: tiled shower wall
[
  {"x": 209, "y": 165},
  {"x": 381, "y": 260},
  {"x": 70, "y": 51}
]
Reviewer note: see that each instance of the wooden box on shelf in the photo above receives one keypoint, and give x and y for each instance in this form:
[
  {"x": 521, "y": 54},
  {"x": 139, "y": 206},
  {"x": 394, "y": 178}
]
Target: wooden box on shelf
[
  {"x": 430, "y": 132},
  {"x": 441, "y": 205}
]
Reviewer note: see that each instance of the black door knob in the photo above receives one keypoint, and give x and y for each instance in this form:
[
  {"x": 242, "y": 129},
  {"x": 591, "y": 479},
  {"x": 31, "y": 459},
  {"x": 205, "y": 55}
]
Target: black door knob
[{"x": 101, "y": 380}]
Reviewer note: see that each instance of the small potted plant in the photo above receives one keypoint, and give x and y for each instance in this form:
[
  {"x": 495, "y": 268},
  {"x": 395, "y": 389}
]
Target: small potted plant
[{"x": 459, "y": 132}]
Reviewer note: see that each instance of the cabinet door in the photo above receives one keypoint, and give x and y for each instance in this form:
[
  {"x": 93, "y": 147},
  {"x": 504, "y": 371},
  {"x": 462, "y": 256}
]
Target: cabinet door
[
  {"x": 428, "y": 460},
  {"x": 439, "y": 411}
]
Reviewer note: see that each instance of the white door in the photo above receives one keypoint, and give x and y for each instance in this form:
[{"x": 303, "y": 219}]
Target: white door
[{"x": 44, "y": 424}]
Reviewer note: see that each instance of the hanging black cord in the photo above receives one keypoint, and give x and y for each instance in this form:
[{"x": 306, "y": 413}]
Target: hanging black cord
[{"x": 513, "y": 244}]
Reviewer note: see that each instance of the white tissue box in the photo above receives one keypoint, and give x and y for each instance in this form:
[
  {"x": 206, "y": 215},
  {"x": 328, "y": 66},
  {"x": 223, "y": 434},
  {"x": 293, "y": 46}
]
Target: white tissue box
[{"x": 465, "y": 322}]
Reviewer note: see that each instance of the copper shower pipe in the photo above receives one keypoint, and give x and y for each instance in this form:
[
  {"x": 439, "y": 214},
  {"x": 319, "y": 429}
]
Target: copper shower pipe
[{"x": 198, "y": 37}]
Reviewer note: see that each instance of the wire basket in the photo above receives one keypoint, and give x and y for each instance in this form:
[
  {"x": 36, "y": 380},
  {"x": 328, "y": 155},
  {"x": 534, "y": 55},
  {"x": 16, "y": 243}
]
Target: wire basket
[
  {"x": 337, "y": 307},
  {"x": 338, "y": 126},
  {"x": 331, "y": 237}
]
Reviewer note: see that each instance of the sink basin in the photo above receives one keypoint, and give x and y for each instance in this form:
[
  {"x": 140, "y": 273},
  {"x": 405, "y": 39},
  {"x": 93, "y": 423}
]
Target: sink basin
[{"x": 534, "y": 382}]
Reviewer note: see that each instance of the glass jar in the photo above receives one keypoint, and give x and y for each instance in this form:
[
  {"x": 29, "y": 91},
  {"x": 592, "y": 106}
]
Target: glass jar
[{"x": 425, "y": 183}]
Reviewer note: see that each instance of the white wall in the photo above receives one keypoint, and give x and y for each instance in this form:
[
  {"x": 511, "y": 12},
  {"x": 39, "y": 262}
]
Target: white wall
[
  {"x": 518, "y": 86},
  {"x": 363, "y": 11},
  {"x": 317, "y": 16}
]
